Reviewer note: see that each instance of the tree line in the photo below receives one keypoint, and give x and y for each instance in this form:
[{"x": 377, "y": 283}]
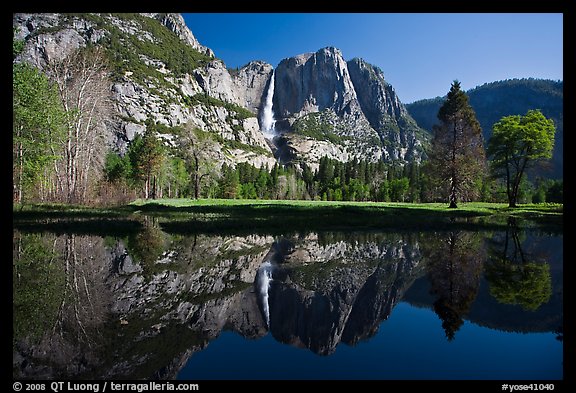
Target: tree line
[
  {"x": 60, "y": 153},
  {"x": 150, "y": 169}
]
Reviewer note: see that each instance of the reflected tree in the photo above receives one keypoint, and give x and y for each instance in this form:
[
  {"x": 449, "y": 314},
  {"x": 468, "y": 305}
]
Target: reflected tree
[
  {"x": 60, "y": 301},
  {"x": 454, "y": 266},
  {"x": 147, "y": 246},
  {"x": 37, "y": 286},
  {"x": 514, "y": 277}
]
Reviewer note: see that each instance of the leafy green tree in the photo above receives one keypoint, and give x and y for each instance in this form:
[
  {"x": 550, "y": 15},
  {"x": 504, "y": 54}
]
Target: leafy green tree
[
  {"x": 17, "y": 45},
  {"x": 229, "y": 183},
  {"x": 196, "y": 147},
  {"x": 37, "y": 124},
  {"x": 178, "y": 179},
  {"x": 457, "y": 157},
  {"x": 116, "y": 168},
  {"x": 517, "y": 143},
  {"x": 146, "y": 154},
  {"x": 249, "y": 191},
  {"x": 263, "y": 182},
  {"x": 555, "y": 192},
  {"x": 399, "y": 189}
]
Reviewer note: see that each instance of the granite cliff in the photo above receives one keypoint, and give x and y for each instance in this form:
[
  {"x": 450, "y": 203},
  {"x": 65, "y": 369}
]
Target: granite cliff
[{"x": 160, "y": 73}]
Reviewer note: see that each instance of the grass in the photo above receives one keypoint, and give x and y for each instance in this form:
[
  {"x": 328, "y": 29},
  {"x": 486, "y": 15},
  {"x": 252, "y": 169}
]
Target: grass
[{"x": 223, "y": 216}]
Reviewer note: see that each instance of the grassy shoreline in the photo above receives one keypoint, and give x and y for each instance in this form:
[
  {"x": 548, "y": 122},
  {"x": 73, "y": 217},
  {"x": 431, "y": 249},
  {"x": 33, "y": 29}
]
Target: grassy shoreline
[{"x": 273, "y": 216}]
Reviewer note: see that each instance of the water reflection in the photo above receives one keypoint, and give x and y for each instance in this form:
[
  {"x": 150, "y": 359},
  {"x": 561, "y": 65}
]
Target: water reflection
[
  {"x": 517, "y": 277},
  {"x": 454, "y": 268},
  {"x": 141, "y": 305}
]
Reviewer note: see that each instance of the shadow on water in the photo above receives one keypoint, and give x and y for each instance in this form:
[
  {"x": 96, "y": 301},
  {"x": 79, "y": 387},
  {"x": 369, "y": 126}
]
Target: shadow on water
[
  {"x": 276, "y": 219},
  {"x": 137, "y": 302}
]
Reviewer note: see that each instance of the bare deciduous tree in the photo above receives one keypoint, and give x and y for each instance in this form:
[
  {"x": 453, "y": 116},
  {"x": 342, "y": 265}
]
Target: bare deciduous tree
[{"x": 84, "y": 88}]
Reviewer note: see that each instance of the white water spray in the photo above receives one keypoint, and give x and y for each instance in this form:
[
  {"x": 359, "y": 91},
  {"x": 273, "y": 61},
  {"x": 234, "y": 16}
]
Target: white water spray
[
  {"x": 263, "y": 279},
  {"x": 268, "y": 121}
]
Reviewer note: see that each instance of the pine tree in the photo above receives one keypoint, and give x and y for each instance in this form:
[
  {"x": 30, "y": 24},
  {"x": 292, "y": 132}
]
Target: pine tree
[
  {"x": 146, "y": 154},
  {"x": 457, "y": 157}
]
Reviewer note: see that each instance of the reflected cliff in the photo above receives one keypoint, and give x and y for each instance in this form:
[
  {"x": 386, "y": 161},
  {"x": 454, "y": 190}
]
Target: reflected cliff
[{"x": 139, "y": 306}]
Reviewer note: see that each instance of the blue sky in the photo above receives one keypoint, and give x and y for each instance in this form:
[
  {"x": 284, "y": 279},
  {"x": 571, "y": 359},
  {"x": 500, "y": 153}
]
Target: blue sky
[{"x": 420, "y": 54}]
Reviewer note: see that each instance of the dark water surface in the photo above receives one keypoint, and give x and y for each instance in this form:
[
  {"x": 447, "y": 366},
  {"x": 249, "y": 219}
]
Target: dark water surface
[{"x": 340, "y": 305}]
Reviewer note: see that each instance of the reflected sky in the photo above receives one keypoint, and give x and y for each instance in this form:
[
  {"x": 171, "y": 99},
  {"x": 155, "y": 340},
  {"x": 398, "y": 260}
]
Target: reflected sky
[{"x": 409, "y": 345}]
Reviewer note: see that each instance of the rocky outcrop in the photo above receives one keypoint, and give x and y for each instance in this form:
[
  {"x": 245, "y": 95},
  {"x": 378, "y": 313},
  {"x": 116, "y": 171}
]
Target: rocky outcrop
[
  {"x": 251, "y": 82},
  {"x": 216, "y": 81},
  {"x": 324, "y": 106},
  {"x": 347, "y": 105},
  {"x": 43, "y": 47},
  {"x": 386, "y": 114},
  {"x": 314, "y": 82},
  {"x": 148, "y": 88},
  {"x": 176, "y": 24}
]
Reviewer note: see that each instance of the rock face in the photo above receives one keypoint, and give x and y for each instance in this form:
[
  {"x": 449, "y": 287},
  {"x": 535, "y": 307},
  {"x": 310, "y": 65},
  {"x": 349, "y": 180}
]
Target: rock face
[
  {"x": 347, "y": 106},
  {"x": 251, "y": 83},
  {"x": 176, "y": 24},
  {"x": 386, "y": 114},
  {"x": 150, "y": 86},
  {"x": 314, "y": 82},
  {"x": 215, "y": 80}
]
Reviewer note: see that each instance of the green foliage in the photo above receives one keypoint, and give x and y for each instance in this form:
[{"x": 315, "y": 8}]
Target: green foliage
[
  {"x": 238, "y": 113},
  {"x": 528, "y": 285},
  {"x": 333, "y": 181},
  {"x": 37, "y": 286},
  {"x": 517, "y": 143},
  {"x": 315, "y": 125},
  {"x": 179, "y": 178},
  {"x": 230, "y": 183},
  {"x": 146, "y": 154},
  {"x": 17, "y": 45},
  {"x": 38, "y": 120},
  {"x": 125, "y": 49},
  {"x": 555, "y": 192},
  {"x": 399, "y": 189},
  {"x": 117, "y": 168},
  {"x": 492, "y": 101}
]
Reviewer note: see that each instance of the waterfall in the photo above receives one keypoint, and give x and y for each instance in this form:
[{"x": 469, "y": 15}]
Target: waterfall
[
  {"x": 268, "y": 122},
  {"x": 263, "y": 279}
]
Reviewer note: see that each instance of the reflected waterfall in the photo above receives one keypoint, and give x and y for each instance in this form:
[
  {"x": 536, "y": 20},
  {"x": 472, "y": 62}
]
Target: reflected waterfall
[{"x": 263, "y": 279}]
